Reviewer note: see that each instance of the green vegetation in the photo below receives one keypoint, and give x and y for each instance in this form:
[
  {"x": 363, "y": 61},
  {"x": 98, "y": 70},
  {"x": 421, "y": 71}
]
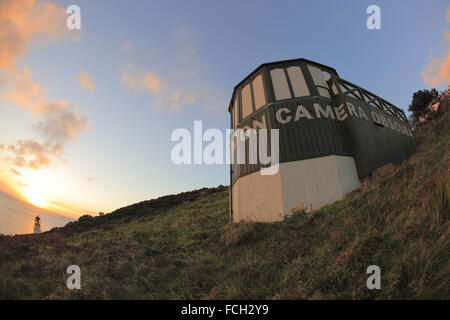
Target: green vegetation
[
  {"x": 183, "y": 246},
  {"x": 419, "y": 106}
]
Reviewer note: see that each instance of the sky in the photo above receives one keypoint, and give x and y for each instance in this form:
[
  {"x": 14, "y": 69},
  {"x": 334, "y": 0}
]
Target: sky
[
  {"x": 86, "y": 115},
  {"x": 22, "y": 221}
]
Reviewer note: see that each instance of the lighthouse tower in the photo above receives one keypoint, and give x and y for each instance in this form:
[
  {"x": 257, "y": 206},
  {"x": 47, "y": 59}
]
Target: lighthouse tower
[{"x": 37, "y": 225}]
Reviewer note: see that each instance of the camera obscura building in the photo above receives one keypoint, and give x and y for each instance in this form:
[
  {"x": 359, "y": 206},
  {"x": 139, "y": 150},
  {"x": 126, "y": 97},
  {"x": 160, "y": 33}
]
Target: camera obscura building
[{"x": 332, "y": 133}]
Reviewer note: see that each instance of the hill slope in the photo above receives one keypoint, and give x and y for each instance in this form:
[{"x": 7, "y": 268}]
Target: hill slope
[{"x": 183, "y": 246}]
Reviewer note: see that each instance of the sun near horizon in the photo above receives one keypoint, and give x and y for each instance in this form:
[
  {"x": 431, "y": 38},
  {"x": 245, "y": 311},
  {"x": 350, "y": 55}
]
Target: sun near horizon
[{"x": 35, "y": 197}]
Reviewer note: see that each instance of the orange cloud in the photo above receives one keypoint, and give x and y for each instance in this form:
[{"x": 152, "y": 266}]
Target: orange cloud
[
  {"x": 31, "y": 154},
  {"x": 129, "y": 80},
  {"x": 183, "y": 84},
  {"x": 15, "y": 172},
  {"x": 20, "y": 21},
  {"x": 24, "y": 92},
  {"x": 28, "y": 94},
  {"x": 437, "y": 71},
  {"x": 57, "y": 129},
  {"x": 444, "y": 71},
  {"x": 58, "y": 124},
  {"x": 86, "y": 81},
  {"x": 446, "y": 37},
  {"x": 141, "y": 81},
  {"x": 151, "y": 83},
  {"x": 3, "y": 82}
]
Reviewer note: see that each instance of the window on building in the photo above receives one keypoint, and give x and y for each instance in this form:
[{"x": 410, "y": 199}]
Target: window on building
[
  {"x": 258, "y": 92},
  {"x": 280, "y": 84},
  {"x": 246, "y": 102},
  {"x": 334, "y": 88},
  {"x": 326, "y": 75},
  {"x": 317, "y": 75},
  {"x": 319, "y": 81},
  {"x": 235, "y": 113},
  {"x": 323, "y": 92},
  {"x": 298, "y": 82}
]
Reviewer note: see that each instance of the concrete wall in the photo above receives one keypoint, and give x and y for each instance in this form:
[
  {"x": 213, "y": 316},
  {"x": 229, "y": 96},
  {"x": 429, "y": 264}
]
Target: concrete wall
[
  {"x": 303, "y": 184},
  {"x": 310, "y": 184},
  {"x": 257, "y": 198},
  {"x": 348, "y": 174}
]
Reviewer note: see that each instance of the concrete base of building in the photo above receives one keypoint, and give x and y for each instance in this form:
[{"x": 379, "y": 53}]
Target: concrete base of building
[{"x": 299, "y": 185}]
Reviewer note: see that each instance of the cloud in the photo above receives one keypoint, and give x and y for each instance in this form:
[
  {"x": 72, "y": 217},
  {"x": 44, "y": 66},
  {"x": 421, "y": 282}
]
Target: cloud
[
  {"x": 15, "y": 172},
  {"x": 28, "y": 94},
  {"x": 61, "y": 126},
  {"x": 24, "y": 92},
  {"x": 86, "y": 81},
  {"x": 182, "y": 82},
  {"x": 3, "y": 82},
  {"x": 57, "y": 130},
  {"x": 57, "y": 126},
  {"x": 22, "y": 20},
  {"x": 446, "y": 37},
  {"x": 32, "y": 154},
  {"x": 444, "y": 71},
  {"x": 141, "y": 81},
  {"x": 437, "y": 71},
  {"x": 151, "y": 83}
]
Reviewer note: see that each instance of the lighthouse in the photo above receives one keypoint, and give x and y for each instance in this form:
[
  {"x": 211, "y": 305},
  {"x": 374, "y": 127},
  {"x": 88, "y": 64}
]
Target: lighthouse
[{"x": 37, "y": 225}]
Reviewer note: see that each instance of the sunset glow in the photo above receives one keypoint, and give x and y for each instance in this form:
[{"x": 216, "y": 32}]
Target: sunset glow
[
  {"x": 36, "y": 198},
  {"x": 86, "y": 118}
]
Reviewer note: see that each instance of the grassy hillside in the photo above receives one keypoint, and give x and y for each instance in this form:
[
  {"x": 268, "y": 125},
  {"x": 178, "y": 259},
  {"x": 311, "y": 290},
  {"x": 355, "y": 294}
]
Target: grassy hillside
[{"x": 183, "y": 246}]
